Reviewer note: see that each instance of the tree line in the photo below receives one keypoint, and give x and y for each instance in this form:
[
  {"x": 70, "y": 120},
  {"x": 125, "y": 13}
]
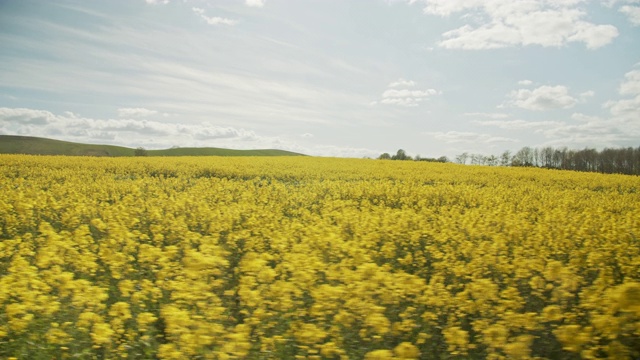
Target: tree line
[
  {"x": 608, "y": 161},
  {"x": 402, "y": 155}
]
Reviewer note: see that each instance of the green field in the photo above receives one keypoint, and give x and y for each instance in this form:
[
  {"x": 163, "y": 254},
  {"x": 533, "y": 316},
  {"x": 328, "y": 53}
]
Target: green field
[{"x": 11, "y": 144}]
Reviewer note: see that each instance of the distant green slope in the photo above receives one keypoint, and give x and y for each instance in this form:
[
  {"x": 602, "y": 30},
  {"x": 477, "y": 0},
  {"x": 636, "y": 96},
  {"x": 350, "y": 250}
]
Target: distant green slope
[
  {"x": 219, "y": 152},
  {"x": 12, "y": 144}
]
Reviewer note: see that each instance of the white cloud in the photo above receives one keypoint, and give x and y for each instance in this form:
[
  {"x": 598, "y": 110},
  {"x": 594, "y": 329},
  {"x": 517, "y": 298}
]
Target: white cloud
[
  {"x": 340, "y": 151},
  {"x": 633, "y": 13},
  {"x": 591, "y": 131},
  {"x": 587, "y": 94},
  {"x": 487, "y": 115},
  {"x": 120, "y": 131},
  {"x": 624, "y": 107},
  {"x": 401, "y": 101},
  {"x": 22, "y": 116},
  {"x": 154, "y": 134},
  {"x": 584, "y": 118},
  {"x": 155, "y": 2},
  {"x": 627, "y": 109},
  {"x": 495, "y": 24},
  {"x": 543, "y": 98},
  {"x": 393, "y": 93},
  {"x": 620, "y": 128},
  {"x": 517, "y": 124},
  {"x": 631, "y": 84},
  {"x": 402, "y": 83},
  {"x": 525, "y": 82},
  {"x": 467, "y": 137},
  {"x": 135, "y": 112},
  {"x": 404, "y": 97},
  {"x": 255, "y": 3},
  {"x": 213, "y": 20}
]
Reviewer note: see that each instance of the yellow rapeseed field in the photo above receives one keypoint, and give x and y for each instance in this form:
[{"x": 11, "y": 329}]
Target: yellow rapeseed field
[{"x": 318, "y": 258}]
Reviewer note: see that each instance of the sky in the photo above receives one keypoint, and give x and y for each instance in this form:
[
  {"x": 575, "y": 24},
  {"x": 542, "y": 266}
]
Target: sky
[{"x": 343, "y": 78}]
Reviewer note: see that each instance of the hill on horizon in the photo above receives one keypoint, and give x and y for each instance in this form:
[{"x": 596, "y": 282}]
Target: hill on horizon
[{"x": 30, "y": 145}]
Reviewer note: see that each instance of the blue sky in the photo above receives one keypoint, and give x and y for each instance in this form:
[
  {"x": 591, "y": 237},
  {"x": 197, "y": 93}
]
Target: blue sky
[{"x": 348, "y": 78}]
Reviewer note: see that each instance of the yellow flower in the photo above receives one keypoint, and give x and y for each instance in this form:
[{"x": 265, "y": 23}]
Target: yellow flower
[
  {"x": 406, "y": 350},
  {"x": 572, "y": 337},
  {"x": 310, "y": 334},
  {"x": 628, "y": 295},
  {"x": 101, "y": 334},
  {"x": 379, "y": 355},
  {"x": 552, "y": 313},
  {"x": 520, "y": 347},
  {"x": 58, "y": 336},
  {"x": 379, "y": 323},
  {"x": 495, "y": 336},
  {"x": 144, "y": 320}
]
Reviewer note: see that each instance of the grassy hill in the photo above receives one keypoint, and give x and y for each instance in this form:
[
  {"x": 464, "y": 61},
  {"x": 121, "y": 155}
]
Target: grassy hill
[{"x": 12, "y": 144}]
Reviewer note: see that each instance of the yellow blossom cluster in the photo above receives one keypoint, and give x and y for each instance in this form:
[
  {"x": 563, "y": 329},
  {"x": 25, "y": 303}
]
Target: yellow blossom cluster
[{"x": 314, "y": 258}]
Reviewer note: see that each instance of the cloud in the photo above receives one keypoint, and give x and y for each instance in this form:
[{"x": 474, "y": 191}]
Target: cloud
[
  {"x": 467, "y": 137},
  {"x": 525, "y": 82},
  {"x": 216, "y": 132},
  {"x": 154, "y": 134},
  {"x": 517, "y": 124},
  {"x": 543, "y": 98},
  {"x": 624, "y": 107},
  {"x": 156, "y": 2},
  {"x": 584, "y": 118},
  {"x": 492, "y": 24},
  {"x": 587, "y": 94},
  {"x": 404, "y": 97},
  {"x": 120, "y": 131},
  {"x": 213, "y": 20},
  {"x": 627, "y": 108},
  {"x": 22, "y": 116},
  {"x": 135, "y": 112},
  {"x": 255, "y": 3},
  {"x": 631, "y": 84},
  {"x": 633, "y": 14},
  {"x": 341, "y": 151},
  {"x": 620, "y": 128},
  {"x": 487, "y": 115},
  {"x": 402, "y": 83}
]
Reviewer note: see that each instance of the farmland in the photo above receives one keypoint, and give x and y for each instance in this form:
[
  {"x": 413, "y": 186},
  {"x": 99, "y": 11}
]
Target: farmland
[{"x": 300, "y": 257}]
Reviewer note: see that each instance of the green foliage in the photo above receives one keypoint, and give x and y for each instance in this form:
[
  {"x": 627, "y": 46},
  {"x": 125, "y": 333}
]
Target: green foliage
[{"x": 402, "y": 155}]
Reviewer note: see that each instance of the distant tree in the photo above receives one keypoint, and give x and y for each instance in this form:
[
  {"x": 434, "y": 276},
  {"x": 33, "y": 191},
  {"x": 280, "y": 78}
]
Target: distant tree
[
  {"x": 622, "y": 161},
  {"x": 524, "y": 157},
  {"x": 462, "y": 158},
  {"x": 140, "y": 152},
  {"x": 401, "y": 155},
  {"x": 546, "y": 157},
  {"x": 384, "y": 156},
  {"x": 478, "y": 159},
  {"x": 505, "y": 158}
]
